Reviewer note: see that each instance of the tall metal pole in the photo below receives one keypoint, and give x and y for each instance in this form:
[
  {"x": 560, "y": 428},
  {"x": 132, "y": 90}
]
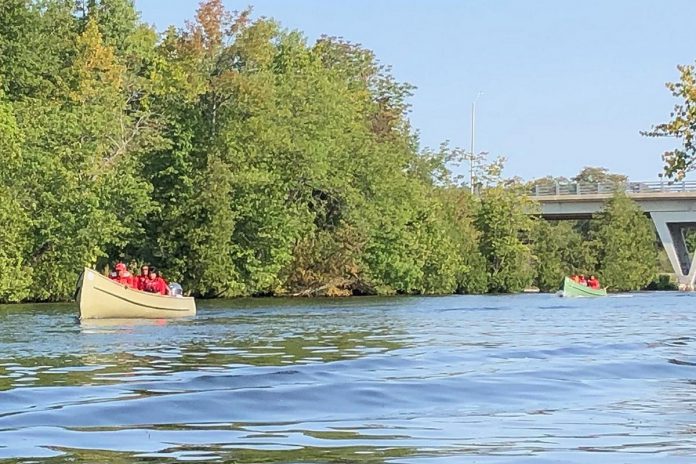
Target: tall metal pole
[
  {"x": 473, "y": 136},
  {"x": 473, "y": 139}
]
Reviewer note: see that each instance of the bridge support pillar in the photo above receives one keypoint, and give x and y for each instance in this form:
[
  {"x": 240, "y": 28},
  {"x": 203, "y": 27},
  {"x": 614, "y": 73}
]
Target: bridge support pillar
[{"x": 671, "y": 227}]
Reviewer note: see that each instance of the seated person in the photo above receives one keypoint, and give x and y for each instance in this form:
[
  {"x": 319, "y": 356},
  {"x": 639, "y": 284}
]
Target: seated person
[
  {"x": 593, "y": 282},
  {"x": 123, "y": 276},
  {"x": 155, "y": 283},
  {"x": 143, "y": 276}
]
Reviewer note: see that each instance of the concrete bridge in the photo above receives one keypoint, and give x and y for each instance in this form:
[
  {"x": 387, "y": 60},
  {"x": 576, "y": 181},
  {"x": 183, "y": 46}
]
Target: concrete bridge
[{"x": 670, "y": 205}]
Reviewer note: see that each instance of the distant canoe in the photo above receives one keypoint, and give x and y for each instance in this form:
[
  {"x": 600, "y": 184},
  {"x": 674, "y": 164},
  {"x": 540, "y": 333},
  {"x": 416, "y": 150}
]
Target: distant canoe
[
  {"x": 102, "y": 298},
  {"x": 572, "y": 288}
]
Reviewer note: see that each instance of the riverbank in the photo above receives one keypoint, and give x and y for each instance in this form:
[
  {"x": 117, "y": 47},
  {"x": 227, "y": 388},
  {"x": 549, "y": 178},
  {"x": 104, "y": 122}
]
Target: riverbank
[{"x": 664, "y": 282}]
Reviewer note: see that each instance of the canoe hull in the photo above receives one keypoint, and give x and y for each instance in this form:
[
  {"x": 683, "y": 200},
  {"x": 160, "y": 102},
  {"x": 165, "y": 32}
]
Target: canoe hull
[
  {"x": 102, "y": 298},
  {"x": 574, "y": 289}
]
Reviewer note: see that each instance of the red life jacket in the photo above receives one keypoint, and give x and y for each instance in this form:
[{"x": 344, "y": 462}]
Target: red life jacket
[
  {"x": 126, "y": 279},
  {"x": 158, "y": 285},
  {"x": 141, "y": 280}
]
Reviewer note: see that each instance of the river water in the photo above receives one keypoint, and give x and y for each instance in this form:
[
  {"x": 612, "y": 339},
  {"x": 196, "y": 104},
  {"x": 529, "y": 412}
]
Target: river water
[{"x": 486, "y": 379}]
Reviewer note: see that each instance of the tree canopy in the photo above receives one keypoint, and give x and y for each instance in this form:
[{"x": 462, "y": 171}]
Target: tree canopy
[
  {"x": 242, "y": 160},
  {"x": 682, "y": 126},
  {"x": 624, "y": 240}
]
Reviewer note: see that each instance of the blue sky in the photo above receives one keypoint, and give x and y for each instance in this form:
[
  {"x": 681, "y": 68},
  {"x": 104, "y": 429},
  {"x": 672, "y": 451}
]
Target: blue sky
[{"x": 565, "y": 84}]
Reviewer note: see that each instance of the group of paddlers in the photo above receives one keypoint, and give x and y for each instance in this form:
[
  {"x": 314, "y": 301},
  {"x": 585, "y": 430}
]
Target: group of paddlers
[
  {"x": 591, "y": 281},
  {"x": 149, "y": 279}
]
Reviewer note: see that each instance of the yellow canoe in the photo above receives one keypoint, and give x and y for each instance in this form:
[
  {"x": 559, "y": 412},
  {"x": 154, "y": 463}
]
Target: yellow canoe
[{"x": 102, "y": 298}]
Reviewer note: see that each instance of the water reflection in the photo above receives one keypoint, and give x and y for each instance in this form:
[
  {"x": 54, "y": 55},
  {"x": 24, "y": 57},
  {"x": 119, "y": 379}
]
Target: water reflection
[
  {"x": 110, "y": 351},
  {"x": 236, "y": 453}
]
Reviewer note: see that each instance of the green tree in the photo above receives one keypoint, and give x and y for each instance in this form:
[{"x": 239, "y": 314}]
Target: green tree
[
  {"x": 594, "y": 175},
  {"x": 546, "y": 185},
  {"x": 15, "y": 272},
  {"x": 505, "y": 226},
  {"x": 560, "y": 250},
  {"x": 36, "y": 39},
  {"x": 460, "y": 213},
  {"x": 205, "y": 185},
  {"x": 682, "y": 126},
  {"x": 624, "y": 241},
  {"x": 81, "y": 168},
  {"x": 547, "y": 256}
]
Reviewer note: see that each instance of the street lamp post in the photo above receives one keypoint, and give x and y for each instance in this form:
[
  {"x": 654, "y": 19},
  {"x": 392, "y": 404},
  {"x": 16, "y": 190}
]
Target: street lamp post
[{"x": 473, "y": 139}]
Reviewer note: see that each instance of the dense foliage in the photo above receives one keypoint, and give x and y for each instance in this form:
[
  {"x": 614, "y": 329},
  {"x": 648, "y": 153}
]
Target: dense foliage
[
  {"x": 242, "y": 161},
  {"x": 624, "y": 240},
  {"x": 505, "y": 222},
  {"x": 560, "y": 250}
]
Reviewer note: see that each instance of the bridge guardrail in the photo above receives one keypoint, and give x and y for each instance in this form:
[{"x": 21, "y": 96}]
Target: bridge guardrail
[{"x": 588, "y": 188}]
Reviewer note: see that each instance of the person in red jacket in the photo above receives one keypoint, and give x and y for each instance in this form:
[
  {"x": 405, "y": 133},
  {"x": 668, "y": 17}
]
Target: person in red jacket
[
  {"x": 123, "y": 276},
  {"x": 593, "y": 282},
  {"x": 142, "y": 278},
  {"x": 155, "y": 283}
]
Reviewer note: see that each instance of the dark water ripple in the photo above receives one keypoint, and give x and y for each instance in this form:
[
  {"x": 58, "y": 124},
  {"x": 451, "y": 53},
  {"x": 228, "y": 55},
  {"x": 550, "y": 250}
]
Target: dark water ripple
[{"x": 528, "y": 378}]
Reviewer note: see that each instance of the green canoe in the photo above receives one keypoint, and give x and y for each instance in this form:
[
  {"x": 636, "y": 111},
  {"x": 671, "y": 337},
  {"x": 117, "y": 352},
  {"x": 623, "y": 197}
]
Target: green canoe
[{"x": 571, "y": 288}]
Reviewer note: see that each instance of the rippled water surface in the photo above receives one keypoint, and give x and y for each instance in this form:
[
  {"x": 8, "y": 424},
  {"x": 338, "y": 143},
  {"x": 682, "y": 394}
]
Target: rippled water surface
[{"x": 494, "y": 379}]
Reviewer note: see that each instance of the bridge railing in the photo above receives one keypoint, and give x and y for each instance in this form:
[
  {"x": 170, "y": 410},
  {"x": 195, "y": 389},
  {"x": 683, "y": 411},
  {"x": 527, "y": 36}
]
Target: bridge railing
[{"x": 591, "y": 188}]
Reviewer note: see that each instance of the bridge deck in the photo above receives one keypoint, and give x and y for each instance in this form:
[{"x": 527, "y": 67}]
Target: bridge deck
[
  {"x": 581, "y": 201},
  {"x": 608, "y": 188}
]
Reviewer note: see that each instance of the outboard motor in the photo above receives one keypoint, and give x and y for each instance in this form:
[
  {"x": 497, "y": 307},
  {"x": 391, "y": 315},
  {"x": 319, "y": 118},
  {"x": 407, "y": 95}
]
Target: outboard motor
[{"x": 176, "y": 290}]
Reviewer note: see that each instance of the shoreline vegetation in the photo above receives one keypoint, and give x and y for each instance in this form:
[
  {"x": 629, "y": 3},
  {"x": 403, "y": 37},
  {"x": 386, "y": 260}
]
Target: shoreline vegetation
[{"x": 244, "y": 161}]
